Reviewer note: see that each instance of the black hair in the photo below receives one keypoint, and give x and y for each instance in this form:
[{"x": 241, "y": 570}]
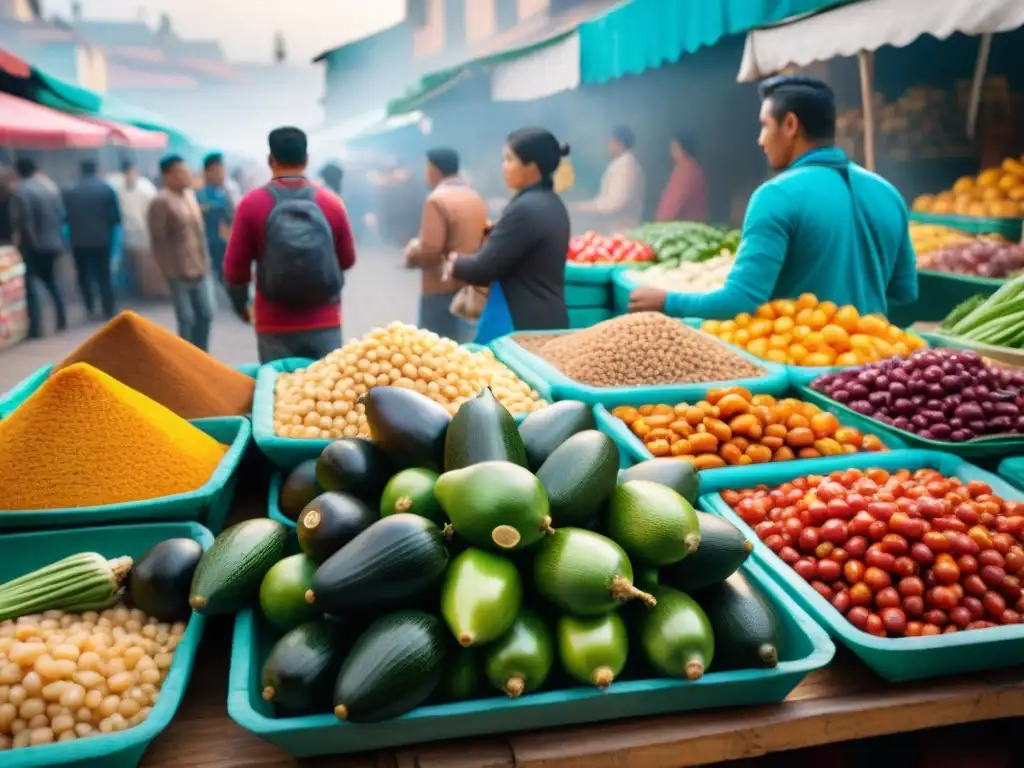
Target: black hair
[
  {"x": 127, "y": 164},
  {"x": 168, "y": 162},
  {"x": 214, "y": 158},
  {"x": 288, "y": 146},
  {"x": 540, "y": 147},
  {"x": 624, "y": 135},
  {"x": 26, "y": 167},
  {"x": 444, "y": 159},
  {"x": 687, "y": 141},
  {"x": 88, "y": 167},
  {"x": 810, "y": 99}
]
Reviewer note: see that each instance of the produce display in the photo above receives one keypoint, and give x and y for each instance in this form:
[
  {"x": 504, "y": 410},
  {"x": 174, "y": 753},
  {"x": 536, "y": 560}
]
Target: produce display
[
  {"x": 451, "y": 558},
  {"x": 674, "y": 242},
  {"x": 995, "y": 192},
  {"x": 166, "y": 368},
  {"x": 84, "y": 439},
  {"x": 324, "y": 401},
  {"x": 13, "y": 307},
  {"x": 899, "y": 554},
  {"x": 997, "y": 320},
  {"x": 979, "y": 257},
  {"x": 928, "y": 238},
  {"x": 688, "y": 276},
  {"x": 940, "y": 394},
  {"x": 592, "y": 248},
  {"x": 809, "y": 332},
  {"x": 74, "y": 662},
  {"x": 731, "y": 427},
  {"x": 639, "y": 349}
]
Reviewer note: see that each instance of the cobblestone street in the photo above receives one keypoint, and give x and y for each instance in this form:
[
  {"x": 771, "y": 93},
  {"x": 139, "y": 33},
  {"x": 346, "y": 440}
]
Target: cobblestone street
[{"x": 377, "y": 291}]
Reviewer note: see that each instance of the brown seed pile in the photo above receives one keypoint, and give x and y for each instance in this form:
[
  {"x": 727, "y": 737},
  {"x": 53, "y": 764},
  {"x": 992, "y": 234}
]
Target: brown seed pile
[{"x": 642, "y": 349}]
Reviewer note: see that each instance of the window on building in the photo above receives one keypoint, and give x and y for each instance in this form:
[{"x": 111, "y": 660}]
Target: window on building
[
  {"x": 507, "y": 13},
  {"x": 454, "y": 22}
]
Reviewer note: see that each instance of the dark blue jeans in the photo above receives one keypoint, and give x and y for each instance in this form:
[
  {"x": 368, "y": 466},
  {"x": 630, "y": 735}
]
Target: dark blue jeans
[
  {"x": 195, "y": 304},
  {"x": 315, "y": 344}
]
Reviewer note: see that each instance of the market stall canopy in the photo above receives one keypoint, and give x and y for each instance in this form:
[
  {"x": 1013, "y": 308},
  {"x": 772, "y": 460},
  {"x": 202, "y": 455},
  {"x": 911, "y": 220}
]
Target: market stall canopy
[
  {"x": 394, "y": 123},
  {"x": 640, "y": 35},
  {"x": 332, "y": 138},
  {"x": 25, "y": 124},
  {"x": 537, "y": 58},
  {"x": 131, "y": 136},
  {"x": 869, "y": 25}
]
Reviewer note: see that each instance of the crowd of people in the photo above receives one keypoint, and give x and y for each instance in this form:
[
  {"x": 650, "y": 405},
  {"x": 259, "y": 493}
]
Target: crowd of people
[{"x": 822, "y": 225}]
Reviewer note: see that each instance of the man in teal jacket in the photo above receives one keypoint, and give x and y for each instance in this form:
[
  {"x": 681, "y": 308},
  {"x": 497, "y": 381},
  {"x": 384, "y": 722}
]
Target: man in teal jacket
[{"x": 822, "y": 225}]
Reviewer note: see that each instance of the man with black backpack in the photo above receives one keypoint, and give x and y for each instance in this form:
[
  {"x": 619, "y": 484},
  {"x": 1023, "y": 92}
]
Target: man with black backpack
[{"x": 298, "y": 236}]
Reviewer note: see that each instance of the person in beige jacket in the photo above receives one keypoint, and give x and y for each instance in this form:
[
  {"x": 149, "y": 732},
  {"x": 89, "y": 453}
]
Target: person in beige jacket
[{"x": 454, "y": 220}]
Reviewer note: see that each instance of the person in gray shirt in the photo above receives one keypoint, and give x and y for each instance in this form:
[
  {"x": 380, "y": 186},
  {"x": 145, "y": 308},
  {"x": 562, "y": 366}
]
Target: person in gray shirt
[
  {"x": 93, "y": 216},
  {"x": 37, "y": 217}
]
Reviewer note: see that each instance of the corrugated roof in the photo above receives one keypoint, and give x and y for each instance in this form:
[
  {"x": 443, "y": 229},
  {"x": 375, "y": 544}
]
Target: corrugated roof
[{"x": 116, "y": 33}]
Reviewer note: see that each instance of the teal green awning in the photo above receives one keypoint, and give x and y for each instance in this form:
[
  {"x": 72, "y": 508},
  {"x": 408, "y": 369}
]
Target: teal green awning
[{"x": 647, "y": 34}]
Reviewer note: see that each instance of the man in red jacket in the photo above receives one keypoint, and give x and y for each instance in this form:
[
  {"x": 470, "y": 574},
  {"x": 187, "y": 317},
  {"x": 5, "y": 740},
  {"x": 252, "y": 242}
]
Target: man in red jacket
[{"x": 299, "y": 238}]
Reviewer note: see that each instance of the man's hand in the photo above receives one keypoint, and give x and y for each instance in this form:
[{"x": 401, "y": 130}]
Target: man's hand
[
  {"x": 245, "y": 315},
  {"x": 647, "y": 298},
  {"x": 410, "y": 248},
  {"x": 448, "y": 267}
]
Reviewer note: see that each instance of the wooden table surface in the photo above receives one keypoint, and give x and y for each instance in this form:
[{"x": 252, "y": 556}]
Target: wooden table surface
[{"x": 844, "y": 702}]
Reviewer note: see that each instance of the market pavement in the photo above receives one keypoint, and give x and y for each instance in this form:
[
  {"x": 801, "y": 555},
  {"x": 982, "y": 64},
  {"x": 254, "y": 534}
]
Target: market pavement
[{"x": 377, "y": 291}]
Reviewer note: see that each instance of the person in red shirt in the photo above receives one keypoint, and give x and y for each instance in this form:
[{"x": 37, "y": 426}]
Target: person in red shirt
[
  {"x": 285, "y": 330},
  {"x": 685, "y": 197}
]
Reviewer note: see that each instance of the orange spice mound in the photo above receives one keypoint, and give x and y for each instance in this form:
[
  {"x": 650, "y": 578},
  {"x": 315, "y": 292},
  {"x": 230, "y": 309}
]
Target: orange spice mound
[
  {"x": 84, "y": 439},
  {"x": 165, "y": 368}
]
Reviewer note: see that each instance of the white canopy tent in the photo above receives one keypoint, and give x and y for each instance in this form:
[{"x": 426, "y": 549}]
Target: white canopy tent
[{"x": 860, "y": 28}]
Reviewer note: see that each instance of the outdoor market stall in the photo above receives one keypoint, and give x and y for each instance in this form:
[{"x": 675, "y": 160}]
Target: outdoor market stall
[{"x": 462, "y": 542}]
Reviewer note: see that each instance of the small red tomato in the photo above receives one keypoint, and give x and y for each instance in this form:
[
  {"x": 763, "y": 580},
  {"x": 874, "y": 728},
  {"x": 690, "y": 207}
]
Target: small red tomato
[
  {"x": 930, "y": 629},
  {"x": 921, "y": 553},
  {"x": 887, "y": 598},
  {"x": 841, "y": 602},
  {"x": 992, "y": 575},
  {"x": 913, "y": 629},
  {"x": 894, "y": 544},
  {"x": 905, "y": 566},
  {"x": 789, "y": 555},
  {"x": 1009, "y": 617},
  {"x": 809, "y": 539},
  {"x": 877, "y": 558},
  {"x": 877, "y": 530},
  {"x": 945, "y": 569},
  {"x": 877, "y": 579},
  {"x": 994, "y": 603},
  {"x": 860, "y": 594},
  {"x": 913, "y": 606},
  {"x": 942, "y": 598},
  {"x": 822, "y": 589},
  {"x": 829, "y": 570},
  {"x": 973, "y": 585},
  {"x": 858, "y": 616},
  {"x": 936, "y": 617},
  {"x": 861, "y": 523},
  {"x": 991, "y": 557},
  {"x": 975, "y": 606},
  {"x": 894, "y": 620},
  {"x": 967, "y": 564},
  {"x": 834, "y": 530},
  {"x": 911, "y": 586},
  {"x": 961, "y": 616},
  {"x": 875, "y": 626},
  {"x": 806, "y": 568},
  {"x": 853, "y": 571}
]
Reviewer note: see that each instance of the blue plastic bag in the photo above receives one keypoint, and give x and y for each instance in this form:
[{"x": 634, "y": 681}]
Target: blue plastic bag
[{"x": 496, "y": 320}]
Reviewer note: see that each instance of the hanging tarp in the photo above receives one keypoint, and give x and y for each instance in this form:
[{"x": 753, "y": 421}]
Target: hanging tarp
[
  {"x": 869, "y": 25},
  {"x": 646, "y": 34},
  {"x": 130, "y": 135},
  {"x": 543, "y": 72},
  {"x": 33, "y": 126}
]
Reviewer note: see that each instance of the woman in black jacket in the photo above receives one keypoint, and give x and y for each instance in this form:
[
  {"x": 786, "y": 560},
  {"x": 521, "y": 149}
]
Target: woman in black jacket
[{"x": 523, "y": 259}]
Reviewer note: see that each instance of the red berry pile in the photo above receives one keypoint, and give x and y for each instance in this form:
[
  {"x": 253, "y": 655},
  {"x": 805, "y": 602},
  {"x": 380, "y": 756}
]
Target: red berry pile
[{"x": 899, "y": 554}]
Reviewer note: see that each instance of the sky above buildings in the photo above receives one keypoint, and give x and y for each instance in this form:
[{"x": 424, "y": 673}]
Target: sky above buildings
[{"x": 246, "y": 27}]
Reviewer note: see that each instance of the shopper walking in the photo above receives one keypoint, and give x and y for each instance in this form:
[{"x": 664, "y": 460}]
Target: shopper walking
[
  {"x": 298, "y": 236},
  {"x": 218, "y": 206},
  {"x": 619, "y": 206},
  {"x": 822, "y": 225},
  {"x": 454, "y": 219},
  {"x": 522, "y": 261},
  {"x": 93, "y": 217},
  {"x": 134, "y": 194},
  {"x": 37, "y": 221},
  {"x": 179, "y": 247},
  {"x": 685, "y": 197}
]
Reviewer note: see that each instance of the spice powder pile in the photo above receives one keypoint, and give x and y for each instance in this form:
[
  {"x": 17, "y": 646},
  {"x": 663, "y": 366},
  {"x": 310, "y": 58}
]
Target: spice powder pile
[
  {"x": 166, "y": 368},
  {"x": 84, "y": 439}
]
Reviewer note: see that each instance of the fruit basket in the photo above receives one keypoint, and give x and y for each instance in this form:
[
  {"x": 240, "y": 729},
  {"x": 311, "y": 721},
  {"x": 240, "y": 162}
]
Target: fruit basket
[
  {"x": 975, "y": 225},
  {"x": 208, "y": 505},
  {"x": 633, "y": 447},
  {"x": 26, "y": 552},
  {"x": 895, "y": 659},
  {"x": 806, "y": 648},
  {"x": 21, "y": 391},
  {"x": 524, "y": 362},
  {"x": 972, "y": 449}
]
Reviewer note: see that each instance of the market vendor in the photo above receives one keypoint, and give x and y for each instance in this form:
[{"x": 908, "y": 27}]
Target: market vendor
[{"x": 822, "y": 225}]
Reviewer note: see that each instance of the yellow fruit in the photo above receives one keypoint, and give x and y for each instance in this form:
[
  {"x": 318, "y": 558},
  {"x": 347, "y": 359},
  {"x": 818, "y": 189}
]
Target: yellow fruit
[
  {"x": 777, "y": 356},
  {"x": 807, "y": 301},
  {"x": 835, "y": 337},
  {"x": 989, "y": 177},
  {"x": 818, "y": 320},
  {"x": 800, "y": 331},
  {"x": 803, "y": 316},
  {"x": 741, "y": 337},
  {"x": 894, "y": 333},
  {"x": 963, "y": 184},
  {"x": 901, "y": 349},
  {"x": 847, "y": 318},
  {"x": 798, "y": 352},
  {"x": 758, "y": 347},
  {"x": 828, "y": 307},
  {"x": 882, "y": 347},
  {"x": 873, "y": 325},
  {"x": 711, "y": 326},
  {"x": 914, "y": 341},
  {"x": 924, "y": 203},
  {"x": 743, "y": 319},
  {"x": 860, "y": 342},
  {"x": 760, "y": 327},
  {"x": 765, "y": 311},
  {"x": 784, "y": 307},
  {"x": 726, "y": 336},
  {"x": 848, "y": 358},
  {"x": 817, "y": 359},
  {"x": 727, "y": 326},
  {"x": 780, "y": 341},
  {"x": 814, "y": 341},
  {"x": 783, "y": 324}
]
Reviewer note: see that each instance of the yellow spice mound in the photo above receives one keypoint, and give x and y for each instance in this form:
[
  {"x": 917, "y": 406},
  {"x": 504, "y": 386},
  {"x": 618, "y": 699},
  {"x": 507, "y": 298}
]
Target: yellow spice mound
[{"x": 85, "y": 439}]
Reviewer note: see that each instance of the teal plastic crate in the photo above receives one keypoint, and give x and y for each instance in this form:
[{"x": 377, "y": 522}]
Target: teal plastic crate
[
  {"x": 634, "y": 447},
  {"x": 594, "y": 274},
  {"x": 895, "y": 659},
  {"x": 23, "y": 390},
  {"x": 25, "y": 552},
  {"x": 584, "y": 318},
  {"x": 623, "y": 283},
  {"x": 1013, "y": 470},
  {"x": 27, "y": 386},
  {"x": 972, "y": 449},
  {"x": 208, "y": 505},
  {"x": 975, "y": 225},
  {"x": 587, "y": 295},
  {"x": 774, "y": 382},
  {"x": 805, "y": 648}
]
